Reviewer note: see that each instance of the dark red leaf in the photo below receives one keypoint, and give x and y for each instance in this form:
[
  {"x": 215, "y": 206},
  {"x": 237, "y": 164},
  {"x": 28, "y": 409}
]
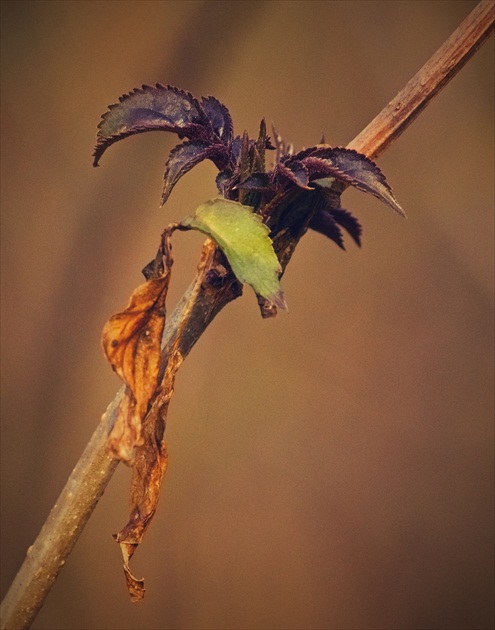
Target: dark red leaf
[
  {"x": 349, "y": 222},
  {"x": 300, "y": 155},
  {"x": 184, "y": 157},
  {"x": 256, "y": 181},
  {"x": 318, "y": 168},
  {"x": 219, "y": 118},
  {"x": 294, "y": 171},
  {"x": 162, "y": 108},
  {"x": 357, "y": 170},
  {"x": 324, "y": 222}
]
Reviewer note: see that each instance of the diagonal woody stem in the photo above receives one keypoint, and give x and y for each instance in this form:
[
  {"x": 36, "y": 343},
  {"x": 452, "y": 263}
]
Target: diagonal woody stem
[
  {"x": 191, "y": 317},
  {"x": 425, "y": 84}
]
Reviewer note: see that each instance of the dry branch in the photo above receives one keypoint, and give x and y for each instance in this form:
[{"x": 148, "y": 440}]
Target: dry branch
[
  {"x": 433, "y": 76},
  {"x": 191, "y": 317}
]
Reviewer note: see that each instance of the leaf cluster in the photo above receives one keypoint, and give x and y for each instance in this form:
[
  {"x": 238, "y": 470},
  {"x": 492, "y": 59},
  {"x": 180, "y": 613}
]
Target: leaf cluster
[
  {"x": 207, "y": 126},
  {"x": 256, "y": 222}
]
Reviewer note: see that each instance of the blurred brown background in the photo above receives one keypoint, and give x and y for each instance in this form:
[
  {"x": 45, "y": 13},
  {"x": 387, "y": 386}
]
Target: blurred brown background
[{"x": 330, "y": 468}]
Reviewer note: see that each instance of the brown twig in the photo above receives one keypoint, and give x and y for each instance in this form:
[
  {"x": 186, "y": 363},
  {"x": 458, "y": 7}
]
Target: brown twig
[
  {"x": 195, "y": 311},
  {"x": 433, "y": 76}
]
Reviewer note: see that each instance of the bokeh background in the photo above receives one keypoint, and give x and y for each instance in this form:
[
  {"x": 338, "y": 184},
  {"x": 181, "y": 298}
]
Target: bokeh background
[{"x": 331, "y": 468}]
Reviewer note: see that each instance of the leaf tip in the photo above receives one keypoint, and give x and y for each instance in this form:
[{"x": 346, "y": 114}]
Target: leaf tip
[
  {"x": 280, "y": 302},
  {"x": 98, "y": 151}
]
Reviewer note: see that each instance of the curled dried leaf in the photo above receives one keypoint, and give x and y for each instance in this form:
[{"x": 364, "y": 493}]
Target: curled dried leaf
[
  {"x": 132, "y": 344},
  {"x": 126, "y": 431},
  {"x": 149, "y": 469},
  {"x": 135, "y": 586}
]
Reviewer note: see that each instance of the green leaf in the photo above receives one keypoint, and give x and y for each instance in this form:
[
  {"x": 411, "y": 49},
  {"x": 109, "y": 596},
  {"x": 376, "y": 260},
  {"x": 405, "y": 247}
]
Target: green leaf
[{"x": 244, "y": 239}]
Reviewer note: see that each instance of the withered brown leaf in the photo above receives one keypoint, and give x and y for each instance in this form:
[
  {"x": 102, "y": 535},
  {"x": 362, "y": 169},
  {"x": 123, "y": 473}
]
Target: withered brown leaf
[
  {"x": 150, "y": 465},
  {"x": 132, "y": 343},
  {"x": 149, "y": 469}
]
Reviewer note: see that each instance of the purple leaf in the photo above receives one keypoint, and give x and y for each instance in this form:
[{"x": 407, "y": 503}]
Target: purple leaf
[
  {"x": 256, "y": 181},
  {"x": 300, "y": 155},
  {"x": 359, "y": 171},
  {"x": 225, "y": 181},
  {"x": 219, "y": 118},
  {"x": 237, "y": 147},
  {"x": 183, "y": 158},
  {"x": 324, "y": 222},
  {"x": 296, "y": 172},
  {"x": 162, "y": 108},
  {"x": 349, "y": 222},
  {"x": 318, "y": 168}
]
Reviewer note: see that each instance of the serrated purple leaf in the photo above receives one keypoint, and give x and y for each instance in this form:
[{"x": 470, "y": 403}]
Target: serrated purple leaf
[
  {"x": 256, "y": 181},
  {"x": 359, "y": 171},
  {"x": 318, "y": 168},
  {"x": 150, "y": 108},
  {"x": 219, "y": 118},
  {"x": 183, "y": 158},
  {"x": 324, "y": 222},
  {"x": 349, "y": 222},
  {"x": 294, "y": 171},
  {"x": 237, "y": 147},
  {"x": 300, "y": 155},
  {"x": 225, "y": 181}
]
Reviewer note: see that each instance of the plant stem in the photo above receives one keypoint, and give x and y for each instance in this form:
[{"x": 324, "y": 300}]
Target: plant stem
[
  {"x": 191, "y": 317},
  {"x": 425, "y": 84}
]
